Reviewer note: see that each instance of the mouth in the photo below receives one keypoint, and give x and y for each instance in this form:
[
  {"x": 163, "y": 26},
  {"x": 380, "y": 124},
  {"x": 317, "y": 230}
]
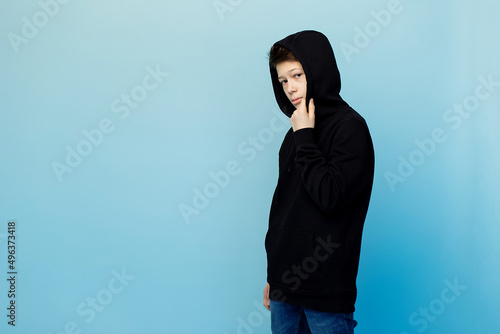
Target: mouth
[{"x": 296, "y": 101}]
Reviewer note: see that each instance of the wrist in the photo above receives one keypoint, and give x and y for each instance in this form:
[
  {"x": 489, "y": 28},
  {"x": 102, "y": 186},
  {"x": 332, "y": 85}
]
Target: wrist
[{"x": 304, "y": 136}]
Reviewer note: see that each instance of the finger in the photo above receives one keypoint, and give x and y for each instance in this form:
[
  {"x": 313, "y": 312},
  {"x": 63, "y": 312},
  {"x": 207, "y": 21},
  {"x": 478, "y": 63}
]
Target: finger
[
  {"x": 302, "y": 105},
  {"x": 312, "y": 108},
  {"x": 266, "y": 302}
]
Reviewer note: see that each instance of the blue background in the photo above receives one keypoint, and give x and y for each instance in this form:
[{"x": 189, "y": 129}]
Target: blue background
[{"x": 118, "y": 214}]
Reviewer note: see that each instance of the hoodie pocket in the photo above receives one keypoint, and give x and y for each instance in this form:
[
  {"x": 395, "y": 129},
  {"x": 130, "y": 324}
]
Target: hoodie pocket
[{"x": 292, "y": 259}]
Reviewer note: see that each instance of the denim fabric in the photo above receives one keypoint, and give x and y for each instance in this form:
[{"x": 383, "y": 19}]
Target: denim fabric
[{"x": 292, "y": 319}]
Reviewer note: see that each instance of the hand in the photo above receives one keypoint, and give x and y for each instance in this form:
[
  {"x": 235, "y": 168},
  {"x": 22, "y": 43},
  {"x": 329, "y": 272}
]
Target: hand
[
  {"x": 267, "y": 301},
  {"x": 302, "y": 119}
]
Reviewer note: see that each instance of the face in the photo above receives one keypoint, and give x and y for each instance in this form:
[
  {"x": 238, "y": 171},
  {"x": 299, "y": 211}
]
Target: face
[{"x": 293, "y": 80}]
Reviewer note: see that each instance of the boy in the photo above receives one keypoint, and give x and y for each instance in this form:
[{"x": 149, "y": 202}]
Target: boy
[{"x": 326, "y": 165}]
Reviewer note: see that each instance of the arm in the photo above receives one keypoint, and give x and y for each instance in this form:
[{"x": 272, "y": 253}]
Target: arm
[{"x": 334, "y": 178}]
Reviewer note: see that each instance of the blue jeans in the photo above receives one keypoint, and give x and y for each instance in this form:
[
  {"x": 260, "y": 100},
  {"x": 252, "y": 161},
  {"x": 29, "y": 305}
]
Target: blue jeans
[{"x": 292, "y": 319}]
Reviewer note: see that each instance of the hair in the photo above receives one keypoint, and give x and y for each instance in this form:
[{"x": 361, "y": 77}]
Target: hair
[{"x": 278, "y": 54}]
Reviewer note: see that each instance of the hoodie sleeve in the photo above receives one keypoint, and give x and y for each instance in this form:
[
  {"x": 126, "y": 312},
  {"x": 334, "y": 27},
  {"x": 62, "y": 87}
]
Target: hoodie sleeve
[{"x": 336, "y": 174}]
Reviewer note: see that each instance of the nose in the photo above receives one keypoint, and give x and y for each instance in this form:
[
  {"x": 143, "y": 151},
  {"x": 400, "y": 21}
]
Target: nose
[{"x": 291, "y": 88}]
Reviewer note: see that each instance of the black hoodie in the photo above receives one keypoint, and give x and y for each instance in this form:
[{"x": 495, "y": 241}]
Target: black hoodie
[{"x": 324, "y": 186}]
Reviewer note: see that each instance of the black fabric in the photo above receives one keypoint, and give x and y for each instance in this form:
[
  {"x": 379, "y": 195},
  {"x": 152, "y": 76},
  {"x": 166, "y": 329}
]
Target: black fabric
[{"x": 323, "y": 191}]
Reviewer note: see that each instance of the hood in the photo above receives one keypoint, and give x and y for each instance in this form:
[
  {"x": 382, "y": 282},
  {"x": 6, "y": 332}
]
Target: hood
[{"x": 314, "y": 52}]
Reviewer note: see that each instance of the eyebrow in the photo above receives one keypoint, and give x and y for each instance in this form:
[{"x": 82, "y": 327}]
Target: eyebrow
[{"x": 293, "y": 69}]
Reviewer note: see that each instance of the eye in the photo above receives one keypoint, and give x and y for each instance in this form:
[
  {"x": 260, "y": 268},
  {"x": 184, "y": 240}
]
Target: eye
[
  {"x": 298, "y": 75},
  {"x": 283, "y": 82}
]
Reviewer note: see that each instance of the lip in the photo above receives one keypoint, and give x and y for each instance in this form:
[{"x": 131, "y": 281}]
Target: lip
[{"x": 296, "y": 101}]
